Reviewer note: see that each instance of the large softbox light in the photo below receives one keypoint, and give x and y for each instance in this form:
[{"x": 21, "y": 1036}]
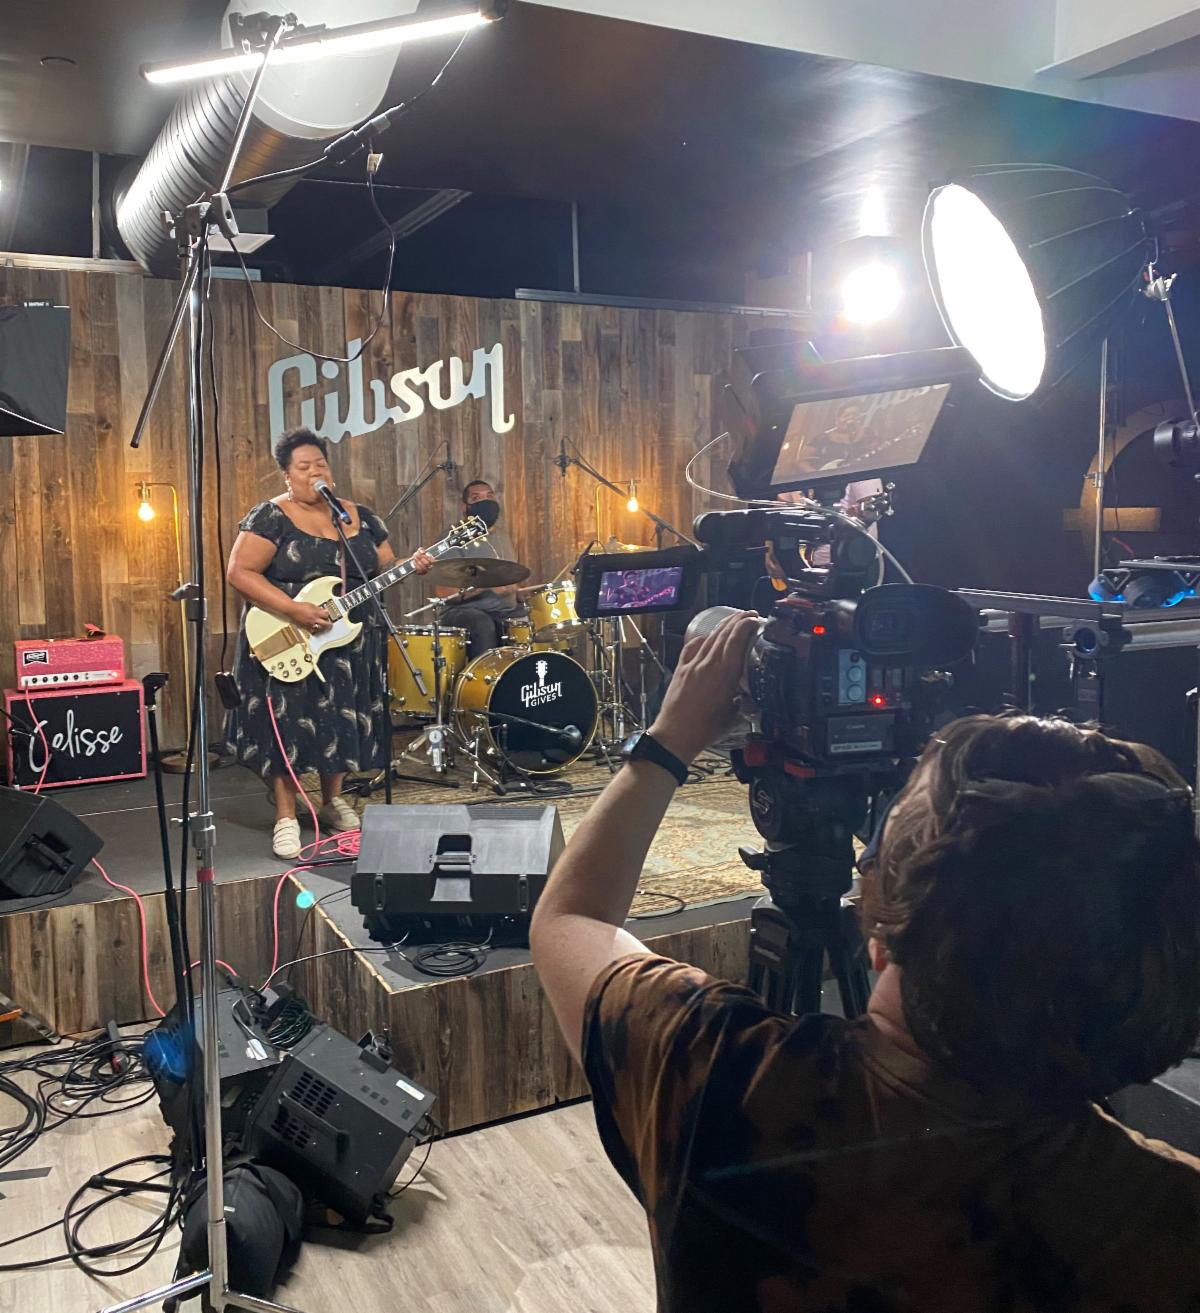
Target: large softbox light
[{"x": 1029, "y": 264}]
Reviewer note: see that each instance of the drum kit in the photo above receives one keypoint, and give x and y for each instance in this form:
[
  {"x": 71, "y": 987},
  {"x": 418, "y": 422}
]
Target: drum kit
[{"x": 527, "y": 709}]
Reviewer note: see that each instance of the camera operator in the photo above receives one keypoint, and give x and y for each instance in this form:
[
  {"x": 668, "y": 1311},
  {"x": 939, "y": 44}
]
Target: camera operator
[{"x": 1033, "y": 910}]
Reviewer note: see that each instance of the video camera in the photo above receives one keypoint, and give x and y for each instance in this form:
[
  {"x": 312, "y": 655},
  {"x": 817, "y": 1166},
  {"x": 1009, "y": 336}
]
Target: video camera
[{"x": 840, "y": 676}]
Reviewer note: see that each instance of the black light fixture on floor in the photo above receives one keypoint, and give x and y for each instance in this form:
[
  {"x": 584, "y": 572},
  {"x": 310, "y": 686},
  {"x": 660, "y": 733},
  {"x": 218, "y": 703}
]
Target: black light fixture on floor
[{"x": 1033, "y": 264}]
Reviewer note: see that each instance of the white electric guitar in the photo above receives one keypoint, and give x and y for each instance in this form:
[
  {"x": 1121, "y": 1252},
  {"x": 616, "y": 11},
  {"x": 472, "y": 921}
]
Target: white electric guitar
[{"x": 290, "y": 653}]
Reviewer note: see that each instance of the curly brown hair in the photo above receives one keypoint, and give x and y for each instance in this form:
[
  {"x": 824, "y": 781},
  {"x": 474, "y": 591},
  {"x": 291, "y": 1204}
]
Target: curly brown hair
[{"x": 1038, "y": 885}]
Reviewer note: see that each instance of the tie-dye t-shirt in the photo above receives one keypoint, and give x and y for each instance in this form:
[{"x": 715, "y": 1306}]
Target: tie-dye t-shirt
[{"x": 791, "y": 1164}]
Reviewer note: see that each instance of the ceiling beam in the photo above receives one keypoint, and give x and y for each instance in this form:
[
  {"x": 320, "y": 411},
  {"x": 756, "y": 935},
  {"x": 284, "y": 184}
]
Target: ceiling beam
[
  {"x": 1094, "y": 37},
  {"x": 409, "y": 222}
]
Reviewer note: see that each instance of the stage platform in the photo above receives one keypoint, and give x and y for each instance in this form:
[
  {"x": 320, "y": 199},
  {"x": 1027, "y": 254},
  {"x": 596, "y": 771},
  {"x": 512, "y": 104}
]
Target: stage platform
[{"x": 486, "y": 1044}]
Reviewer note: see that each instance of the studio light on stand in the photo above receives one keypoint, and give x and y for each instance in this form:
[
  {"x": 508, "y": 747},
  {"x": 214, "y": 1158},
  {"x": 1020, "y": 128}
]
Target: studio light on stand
[
  {"x": 871, "y": 293},
  {"x": 259, "y": 38},
  {"x": 1031, "y": 266}
]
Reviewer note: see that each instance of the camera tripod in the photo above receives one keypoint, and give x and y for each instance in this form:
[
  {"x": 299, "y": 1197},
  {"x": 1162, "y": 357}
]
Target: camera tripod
[{"x": 807, "y": 868}]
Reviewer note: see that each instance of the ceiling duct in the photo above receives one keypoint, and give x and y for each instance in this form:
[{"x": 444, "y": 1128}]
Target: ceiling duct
[{"x": 300, "y": 108}]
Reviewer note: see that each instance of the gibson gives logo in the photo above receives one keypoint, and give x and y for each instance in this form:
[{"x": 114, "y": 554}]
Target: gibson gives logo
[{"x": 536, "y": 695}]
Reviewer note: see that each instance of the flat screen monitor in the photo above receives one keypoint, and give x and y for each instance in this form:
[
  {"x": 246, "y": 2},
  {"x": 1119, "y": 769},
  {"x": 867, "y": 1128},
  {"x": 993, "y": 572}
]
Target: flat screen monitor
[
  {"x": 35, "y": 352},
  {"x": 634, "y": 591},
  {"x": 848, "y": 436}
]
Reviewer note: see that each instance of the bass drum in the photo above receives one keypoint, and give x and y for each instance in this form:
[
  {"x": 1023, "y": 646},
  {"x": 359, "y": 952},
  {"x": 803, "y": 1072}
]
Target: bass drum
[{"x": 535, "y": 712}]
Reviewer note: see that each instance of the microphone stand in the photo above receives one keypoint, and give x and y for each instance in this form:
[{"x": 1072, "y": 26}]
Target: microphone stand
[
  {"x": 386, "y": 620},
  {"x": 564, "y": 460},
  {"x": 447, "y": 466},
  {"x": 192, "y": 229}
]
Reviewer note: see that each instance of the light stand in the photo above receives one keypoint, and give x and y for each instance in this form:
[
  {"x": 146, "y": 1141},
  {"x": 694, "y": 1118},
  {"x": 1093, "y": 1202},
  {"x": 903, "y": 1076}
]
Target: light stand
[{"x": 192, "y": 230}]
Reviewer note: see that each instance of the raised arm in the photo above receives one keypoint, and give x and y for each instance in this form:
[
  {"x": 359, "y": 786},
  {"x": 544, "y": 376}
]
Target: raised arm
[{"x": 578, "y": 925}]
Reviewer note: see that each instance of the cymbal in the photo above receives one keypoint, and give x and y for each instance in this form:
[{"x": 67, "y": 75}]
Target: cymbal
[{"x": 476, "y": 572}]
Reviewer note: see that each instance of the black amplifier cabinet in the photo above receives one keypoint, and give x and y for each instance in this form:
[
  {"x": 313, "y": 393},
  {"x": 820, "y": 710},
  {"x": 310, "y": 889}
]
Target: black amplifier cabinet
[
  {"x": 453, "y": 864},
  {"x": 339, "y": 1121}
]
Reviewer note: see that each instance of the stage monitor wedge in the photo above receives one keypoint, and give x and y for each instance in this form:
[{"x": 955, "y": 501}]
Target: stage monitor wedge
[
  {"x": 483, "y": 865},
  {"x": 43, "y": 847},
  {"x": 35, "y": 356}
]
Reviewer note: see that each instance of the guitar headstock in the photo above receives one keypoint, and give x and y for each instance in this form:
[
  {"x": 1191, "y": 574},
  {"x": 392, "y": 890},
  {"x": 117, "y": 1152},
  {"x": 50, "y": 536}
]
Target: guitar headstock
[{"x": 466, "y": 532}]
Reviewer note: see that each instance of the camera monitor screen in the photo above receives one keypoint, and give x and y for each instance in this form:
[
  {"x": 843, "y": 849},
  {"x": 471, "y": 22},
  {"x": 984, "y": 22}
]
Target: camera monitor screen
[
  {"x": 629, "y": 592},
  {"x": 845, "y": 436}
]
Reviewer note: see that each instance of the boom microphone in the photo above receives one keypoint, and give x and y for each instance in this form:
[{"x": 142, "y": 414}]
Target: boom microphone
[
  {"x": 334, "y": 505},
  {"x": 561, "y": 459}
]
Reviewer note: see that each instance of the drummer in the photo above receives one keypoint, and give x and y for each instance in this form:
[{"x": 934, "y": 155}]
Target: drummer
[{"x": 483, "y": 611}]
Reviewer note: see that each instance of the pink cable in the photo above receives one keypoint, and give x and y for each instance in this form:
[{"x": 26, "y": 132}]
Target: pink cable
[
  {"x": 344, "y": 844},
  {"x": 125, "y": 889},
  {"x": 315, "y": 845},
  {"x": 35, "y": 721},
  {"x": 226, "y": 965},
  {"x": 299, "y": 788}
]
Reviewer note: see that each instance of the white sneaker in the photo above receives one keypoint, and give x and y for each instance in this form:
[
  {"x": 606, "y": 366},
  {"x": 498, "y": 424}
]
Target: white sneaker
[
  {"x": 338, "y": 816},
  {"x": 285, "y": 840}
]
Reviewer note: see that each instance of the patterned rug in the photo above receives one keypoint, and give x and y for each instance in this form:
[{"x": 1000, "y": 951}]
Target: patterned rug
[{"x": 693, "y": 859}]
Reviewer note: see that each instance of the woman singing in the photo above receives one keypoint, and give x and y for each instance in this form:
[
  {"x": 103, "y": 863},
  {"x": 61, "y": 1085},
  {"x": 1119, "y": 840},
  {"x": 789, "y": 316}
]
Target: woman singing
[{"x": 329, "y": 726}]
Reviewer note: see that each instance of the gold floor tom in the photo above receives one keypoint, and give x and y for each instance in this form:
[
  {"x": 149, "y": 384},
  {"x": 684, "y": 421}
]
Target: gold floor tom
[{"x": 418, "y": 643}]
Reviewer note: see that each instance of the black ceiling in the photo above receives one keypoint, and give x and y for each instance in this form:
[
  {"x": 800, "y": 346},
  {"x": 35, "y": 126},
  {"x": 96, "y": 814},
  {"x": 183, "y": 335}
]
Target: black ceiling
[{"x": 692, "y": 158}]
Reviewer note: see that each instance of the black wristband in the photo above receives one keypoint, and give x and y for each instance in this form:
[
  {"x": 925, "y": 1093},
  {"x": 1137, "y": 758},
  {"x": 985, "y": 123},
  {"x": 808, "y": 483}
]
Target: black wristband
[{"x": 643, "y": 746}]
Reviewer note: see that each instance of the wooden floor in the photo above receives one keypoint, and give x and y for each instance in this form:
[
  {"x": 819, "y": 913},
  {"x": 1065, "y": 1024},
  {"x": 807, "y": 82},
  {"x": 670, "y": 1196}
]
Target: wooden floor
[{"x": 526, "y": 1216}]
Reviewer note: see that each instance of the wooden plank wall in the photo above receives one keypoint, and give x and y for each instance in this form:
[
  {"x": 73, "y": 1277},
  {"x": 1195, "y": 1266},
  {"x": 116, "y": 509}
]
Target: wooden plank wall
[
  {"x": 635, "y": 389},
  {"x": 443, "y": 1033},
  {"x": 78, "y": 967}
]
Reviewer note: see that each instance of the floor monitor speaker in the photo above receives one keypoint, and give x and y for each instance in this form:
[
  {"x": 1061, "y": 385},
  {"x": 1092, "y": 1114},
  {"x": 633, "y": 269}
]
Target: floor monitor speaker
[
  {"x": 453, "y": 865},
  {"x": 43, "y": 846}
]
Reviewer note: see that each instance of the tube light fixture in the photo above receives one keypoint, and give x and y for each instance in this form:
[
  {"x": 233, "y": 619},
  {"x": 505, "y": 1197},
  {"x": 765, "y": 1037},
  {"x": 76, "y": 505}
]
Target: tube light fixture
[{"x": 309, "y": 44}]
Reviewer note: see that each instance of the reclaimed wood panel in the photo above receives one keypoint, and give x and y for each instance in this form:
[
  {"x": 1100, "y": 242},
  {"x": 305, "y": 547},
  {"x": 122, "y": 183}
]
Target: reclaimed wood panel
[
  {"x": 631, "y": 389},
  {"x": 78, "y": 967},
  {"x": 487, "y": 1045}
]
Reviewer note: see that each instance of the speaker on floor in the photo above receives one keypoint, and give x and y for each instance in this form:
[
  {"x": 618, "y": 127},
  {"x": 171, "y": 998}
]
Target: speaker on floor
[
  {"x": 43, "y": 847},
  {"x": 338, "y": 1120},
  {"x": 453, "y": 866}
]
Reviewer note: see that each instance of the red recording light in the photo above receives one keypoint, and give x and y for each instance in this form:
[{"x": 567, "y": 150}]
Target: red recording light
[
  {"x": 818, "y": 631},
  {"x": 878, "y": 700}
]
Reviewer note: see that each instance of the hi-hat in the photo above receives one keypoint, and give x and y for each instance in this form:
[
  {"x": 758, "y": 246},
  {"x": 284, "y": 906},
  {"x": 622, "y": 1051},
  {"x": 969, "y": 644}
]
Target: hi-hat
[{"x": 476, "y": 572}]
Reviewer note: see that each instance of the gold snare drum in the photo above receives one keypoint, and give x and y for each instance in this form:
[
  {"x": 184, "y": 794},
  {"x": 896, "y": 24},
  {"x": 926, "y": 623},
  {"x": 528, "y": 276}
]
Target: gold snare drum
[
  {"x": 417, "y": 641},
  {"x": 552, "y": 610},
  {"x": 534, "y": 711}
]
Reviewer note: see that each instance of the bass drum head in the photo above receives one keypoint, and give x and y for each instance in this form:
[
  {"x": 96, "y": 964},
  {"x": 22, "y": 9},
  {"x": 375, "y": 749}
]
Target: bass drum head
[{"x": 516, "y": 701}]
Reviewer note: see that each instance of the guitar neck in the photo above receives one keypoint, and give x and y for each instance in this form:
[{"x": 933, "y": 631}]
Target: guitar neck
[{"x": 346, "y": 602}]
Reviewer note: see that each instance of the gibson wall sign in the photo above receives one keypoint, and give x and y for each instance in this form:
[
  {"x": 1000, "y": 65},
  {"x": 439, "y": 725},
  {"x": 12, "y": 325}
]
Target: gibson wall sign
[{"x": 371, "y": 404}]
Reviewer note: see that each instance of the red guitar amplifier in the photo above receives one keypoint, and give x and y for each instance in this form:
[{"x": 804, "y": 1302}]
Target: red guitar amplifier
[
  {"x": 59, "y": 662},
  {"x": 91, "y": 734}
]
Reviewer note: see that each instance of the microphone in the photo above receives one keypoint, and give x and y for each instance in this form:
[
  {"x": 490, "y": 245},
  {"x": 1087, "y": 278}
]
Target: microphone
[
  {"x": 449, "y": 466},
  {"x": 561, "y": 459},
  {"x": 334, "y": 505},
  {"x": 572, "y": 735}
]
